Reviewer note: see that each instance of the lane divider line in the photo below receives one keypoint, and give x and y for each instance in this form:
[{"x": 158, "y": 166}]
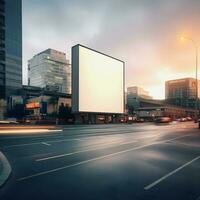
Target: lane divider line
[
  {"x": 64, "y": 140},
  {"x": 148, "y": 187},
  {"x": 97, "y": 158},
  {"x": 37, "y": 143},
  {"x": 45, "y": 143},
  {"x": 86, "y": 150}
]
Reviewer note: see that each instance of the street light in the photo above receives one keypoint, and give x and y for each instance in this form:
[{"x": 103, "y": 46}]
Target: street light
[{"x": 182, "y": 38}]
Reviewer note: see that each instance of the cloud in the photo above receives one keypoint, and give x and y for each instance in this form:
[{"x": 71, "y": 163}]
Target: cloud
[{"x": 142, "y": 33}]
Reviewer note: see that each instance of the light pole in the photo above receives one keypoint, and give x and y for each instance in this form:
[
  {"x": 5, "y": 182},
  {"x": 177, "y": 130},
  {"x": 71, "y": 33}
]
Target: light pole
[{"x": 196, "y": 72}]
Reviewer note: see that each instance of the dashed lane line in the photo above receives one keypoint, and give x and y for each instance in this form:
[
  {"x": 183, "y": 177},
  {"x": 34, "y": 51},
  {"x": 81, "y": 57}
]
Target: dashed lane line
[
  {"x": 97, "y": 158},
  {"x": 86, "y": 150},
  {"x": 45, "y": 143}
]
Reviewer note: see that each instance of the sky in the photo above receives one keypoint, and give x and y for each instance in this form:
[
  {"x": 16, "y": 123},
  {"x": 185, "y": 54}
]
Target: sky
[{"x": 143, "y": 33}]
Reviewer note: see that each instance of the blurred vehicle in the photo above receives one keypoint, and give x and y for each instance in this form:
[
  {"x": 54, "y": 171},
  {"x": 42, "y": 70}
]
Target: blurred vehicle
[
  {"x": 9, "y": 121},
  {"x": 27, "y": 121},
  {"x": 131, "y": 119},
  {"x": 140, "y": 120},
  {"x": 101, "y": 118},
  {"x": 122, "y": 120},
  {"x": 189, "y": 118},
  {"x": 163, "y": 120},
  {"x": 183, "y": 119}
]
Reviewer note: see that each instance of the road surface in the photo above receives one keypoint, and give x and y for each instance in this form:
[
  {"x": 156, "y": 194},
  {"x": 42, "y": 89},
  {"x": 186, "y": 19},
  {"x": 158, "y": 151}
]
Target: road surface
[{"x": 105, "y": 162}]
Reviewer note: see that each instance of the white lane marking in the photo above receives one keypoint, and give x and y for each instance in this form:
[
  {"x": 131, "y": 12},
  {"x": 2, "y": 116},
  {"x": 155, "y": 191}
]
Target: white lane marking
[
  {"x": 170, "y": 174},
  {"x": 37, "y": 143},
  {"x": 67, "y": 140},
  {"x": 101, "y": 147},
  {"x": 103, "y": 136},
  {"x": 59, "y": 135},
  {"x": 33, "y": 136},
  {"x": 77, "y": 139},
  {"x": 49, "y": 141},
  {"x": 45, "y": 143},
  {"x": 97, "y": 158},
  {"x": 131, "y": 129},
  {"x": 86, "y": 150}
]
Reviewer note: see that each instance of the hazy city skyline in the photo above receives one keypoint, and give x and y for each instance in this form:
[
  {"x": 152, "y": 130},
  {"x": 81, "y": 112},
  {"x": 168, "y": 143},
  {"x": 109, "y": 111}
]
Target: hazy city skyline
[{"x": 142, "y": 33}]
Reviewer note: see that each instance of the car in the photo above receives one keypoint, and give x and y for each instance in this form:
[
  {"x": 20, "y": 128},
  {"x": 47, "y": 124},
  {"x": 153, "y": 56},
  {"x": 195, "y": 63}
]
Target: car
[
  {"x": 9, "y": 121},
  {"x": 163, "y": 120},
  {"x": 183, "y": 119},
  {"x": 140, "y": 120},
  {"x": 189, "y": 118}
]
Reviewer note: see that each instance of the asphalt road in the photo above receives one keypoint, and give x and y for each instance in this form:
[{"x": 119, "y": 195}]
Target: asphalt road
[{"x": 105, "y": 162}]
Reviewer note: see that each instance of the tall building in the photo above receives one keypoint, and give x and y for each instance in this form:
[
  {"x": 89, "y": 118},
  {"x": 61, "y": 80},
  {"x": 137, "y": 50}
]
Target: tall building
[
  {"x": 181, "y": 92},
  {"x": 50, "y": 70},
  {"x": 138, "y": 92},
  {"x": 2, "y": 49},
  {"x": 134, "y": 96},
  {"x": 10, "y": 47}
]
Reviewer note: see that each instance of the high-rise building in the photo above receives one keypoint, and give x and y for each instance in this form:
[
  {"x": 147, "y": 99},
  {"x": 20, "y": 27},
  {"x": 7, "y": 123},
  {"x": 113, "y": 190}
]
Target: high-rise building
[
  {"x": 50, "y": 70},
  {"x": 138, "y": 92},
  {"x": 181, "y": 92},
  {"x": 10, "y": 47},
  {"x": 2, "y": 49},
  {"x": 133, "y": 97}
]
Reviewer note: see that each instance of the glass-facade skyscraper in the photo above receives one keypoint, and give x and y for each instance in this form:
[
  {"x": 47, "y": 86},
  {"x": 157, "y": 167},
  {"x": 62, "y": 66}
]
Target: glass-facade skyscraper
[
  {"x": 50, "y": 70},
  {"x": 2, "y": 49},
  {"x": 10, "y": 47},
  {"x": 182, "y": 92}
]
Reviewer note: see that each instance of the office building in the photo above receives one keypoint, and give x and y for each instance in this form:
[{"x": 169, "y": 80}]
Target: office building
[
  {"x": 138, "y": 92},
  {"x": 181, "y": 92},
  {"x": 134, "y": 96},
  {"x": 174, "y": 112},
  {"x": 50, "y": 70},
  {"x": 10, "y": 47}
]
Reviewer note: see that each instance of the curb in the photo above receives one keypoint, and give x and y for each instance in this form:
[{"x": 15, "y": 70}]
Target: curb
[{"x": 6, "y": 171}]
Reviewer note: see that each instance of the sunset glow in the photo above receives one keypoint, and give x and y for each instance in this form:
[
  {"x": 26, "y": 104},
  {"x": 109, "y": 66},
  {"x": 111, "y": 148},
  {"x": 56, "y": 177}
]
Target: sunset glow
[{"x": 147, "y": 36}]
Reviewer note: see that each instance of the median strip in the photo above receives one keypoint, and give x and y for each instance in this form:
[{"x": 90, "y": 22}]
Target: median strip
[{"x": 6, "y": 169}]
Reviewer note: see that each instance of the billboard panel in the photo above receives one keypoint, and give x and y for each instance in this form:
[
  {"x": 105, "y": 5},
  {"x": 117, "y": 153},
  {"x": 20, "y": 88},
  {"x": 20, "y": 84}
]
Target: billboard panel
[{"x": 97, "y": 82}]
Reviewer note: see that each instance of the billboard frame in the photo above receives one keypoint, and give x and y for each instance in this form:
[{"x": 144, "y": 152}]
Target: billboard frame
[{"x": 75, "y": 75}]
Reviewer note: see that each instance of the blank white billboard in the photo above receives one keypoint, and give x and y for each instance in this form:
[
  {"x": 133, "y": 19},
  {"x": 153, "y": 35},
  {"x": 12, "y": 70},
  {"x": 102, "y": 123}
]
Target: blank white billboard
[{"x": 97, "y": 82}]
